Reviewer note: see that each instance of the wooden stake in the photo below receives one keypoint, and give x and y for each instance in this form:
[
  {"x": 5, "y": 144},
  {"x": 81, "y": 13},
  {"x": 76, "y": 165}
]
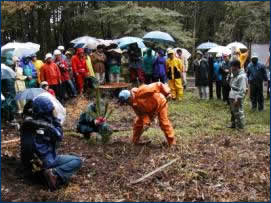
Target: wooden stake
[{"x": 153, "y": 172}]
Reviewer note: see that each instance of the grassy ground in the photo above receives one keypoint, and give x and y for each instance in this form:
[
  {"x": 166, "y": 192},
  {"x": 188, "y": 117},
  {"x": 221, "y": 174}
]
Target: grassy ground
[{"x": 215, "y": 163}]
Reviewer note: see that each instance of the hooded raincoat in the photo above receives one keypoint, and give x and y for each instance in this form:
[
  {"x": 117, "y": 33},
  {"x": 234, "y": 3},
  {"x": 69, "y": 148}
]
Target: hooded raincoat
[{"x": 147, "y": 102}]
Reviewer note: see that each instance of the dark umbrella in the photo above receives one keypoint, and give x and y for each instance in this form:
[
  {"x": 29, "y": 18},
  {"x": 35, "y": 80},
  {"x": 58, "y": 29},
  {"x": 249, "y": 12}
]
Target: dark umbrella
[
  {"x": 29, "y": 94},
  {"x": 7, "y": 72}
]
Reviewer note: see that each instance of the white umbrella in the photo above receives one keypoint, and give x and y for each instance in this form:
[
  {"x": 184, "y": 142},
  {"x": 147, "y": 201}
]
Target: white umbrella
[
  {"x": 7, "y": 72},
  {"x": 118, "y": 50},
  {"x": 237, "y": 45},
  {"x": 220, "y": 50},
  {"x": 107, "y": 43},
  {"x": 86, "y": 42},
  {"x": 21, "y": 49},
  {"x": 185, "y": 53},
  {"x": 60, "y": 110}
]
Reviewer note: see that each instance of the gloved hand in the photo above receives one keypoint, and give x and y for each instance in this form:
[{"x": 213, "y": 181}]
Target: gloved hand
[{"x": 99, "y": 121}]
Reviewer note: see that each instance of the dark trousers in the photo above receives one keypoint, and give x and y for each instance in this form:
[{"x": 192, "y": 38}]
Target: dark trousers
[
  {"x": 210, "y": 84},
  {"x": 256, "y": 95},
  {"x": 161, "y": 78},
  {"x": 225, "y": 92},
  {"x": 71, "y": 91},
  {"x": 58, "y": 91},
  {"x": 218, "y": 89},
  {"x": 148, "y": 79}
]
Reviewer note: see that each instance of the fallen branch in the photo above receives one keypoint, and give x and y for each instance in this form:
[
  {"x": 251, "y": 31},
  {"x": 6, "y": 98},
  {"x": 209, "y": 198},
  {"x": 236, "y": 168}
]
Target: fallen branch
[
  {"x": 153, "y": 172},
  {"x": 14, "y": 141}
]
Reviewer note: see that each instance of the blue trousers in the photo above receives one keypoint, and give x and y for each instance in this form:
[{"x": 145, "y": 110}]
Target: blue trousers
[{"x": 66, "y": 165}]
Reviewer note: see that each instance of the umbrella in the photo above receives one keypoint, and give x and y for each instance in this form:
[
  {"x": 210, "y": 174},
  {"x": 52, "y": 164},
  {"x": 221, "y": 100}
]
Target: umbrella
[
  {"x": 85, "y": 41},
  {"x": 159, "y": 37},
  {"x": 2, "y": 97},
  {"x": 185, "y": 53},
  {"x": 118, "y": 50},
  {"x": 237, "y": 45},
  {"x": 21, "y": 49},
  {"x": 220, "y": 50},
  {"x": 124, "y": 42},
  {"x": 7, "y": 72},
  {"x": 207, "y": 45},
  {"x": 59, "y": 109},
  {"x": 29, "y": 94}
]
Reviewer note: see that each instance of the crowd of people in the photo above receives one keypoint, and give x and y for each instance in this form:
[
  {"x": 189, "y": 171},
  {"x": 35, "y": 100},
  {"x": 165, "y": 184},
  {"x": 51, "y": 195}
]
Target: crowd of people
[{"x": 156, "y": 79}]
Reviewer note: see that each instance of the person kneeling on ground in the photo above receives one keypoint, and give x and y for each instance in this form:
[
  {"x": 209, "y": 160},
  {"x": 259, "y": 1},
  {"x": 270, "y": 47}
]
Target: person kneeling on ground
[
  {"x": 147, "y": 102},
  {"x": 89, "y": 123},
  {"x": 40, "y": 136},
  {"x": 237, "y": 94}
]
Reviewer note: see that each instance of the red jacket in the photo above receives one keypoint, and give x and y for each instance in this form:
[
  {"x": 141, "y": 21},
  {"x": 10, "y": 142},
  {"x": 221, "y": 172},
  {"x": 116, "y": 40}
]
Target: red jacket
[
  {"x": 52, "y": 92},
  {"x": 50, "y": 73},
  {"x": 63, "y": 67},
  {"x": 79, "y": 66}
]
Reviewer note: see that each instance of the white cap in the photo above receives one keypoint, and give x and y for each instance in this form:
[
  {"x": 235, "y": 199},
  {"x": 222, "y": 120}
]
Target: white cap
[
  {"x": 61, "y": 48},
  {"x": 49, "y": 55},
  {"x": 219, "y": 55},
  {"x": 254, "y": 56},
  {"x": 43, "y": 83},
  {"x": 57, "y": 52}
]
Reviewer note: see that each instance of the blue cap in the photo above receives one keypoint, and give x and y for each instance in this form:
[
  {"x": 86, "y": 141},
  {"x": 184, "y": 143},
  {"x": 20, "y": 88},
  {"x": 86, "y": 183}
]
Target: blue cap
[{"x": 124, "y": 95}]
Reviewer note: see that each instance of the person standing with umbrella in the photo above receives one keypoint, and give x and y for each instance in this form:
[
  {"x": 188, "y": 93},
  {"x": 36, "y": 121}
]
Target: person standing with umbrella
[
  {"x": 159, "y": 68},
  {"x": 185, "y": 65},
  {"x": 174, "y": 72},
  {"x": 38, "y": 64},
  {"x": 98, "y": 59},
  {"x": 19, "y": 83},
  {"x": 29, "y": 70},
  {"x": 148, "y": 62},
  {"x": 8, "y": 107},
  {"x": 135, "y": 64},
  {"x": 51, "y": 73}
]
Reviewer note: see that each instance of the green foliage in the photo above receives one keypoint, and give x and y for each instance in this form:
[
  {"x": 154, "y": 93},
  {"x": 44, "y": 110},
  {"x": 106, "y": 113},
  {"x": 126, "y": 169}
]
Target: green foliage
[{"x": 190, "y": 23}]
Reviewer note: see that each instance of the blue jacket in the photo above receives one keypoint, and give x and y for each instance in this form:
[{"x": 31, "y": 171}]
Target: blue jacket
[
  {"x": 41, "y": 134},
  {"x": 256, "y": 73},
  {"x": 217, "y": 71}
]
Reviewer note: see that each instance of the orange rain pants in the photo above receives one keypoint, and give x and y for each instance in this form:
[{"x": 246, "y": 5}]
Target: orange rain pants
[{"x": 147, "y": 102}]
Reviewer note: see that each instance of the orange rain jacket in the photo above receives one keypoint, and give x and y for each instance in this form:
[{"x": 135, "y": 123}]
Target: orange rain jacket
[{"x": 147, "y": 102}]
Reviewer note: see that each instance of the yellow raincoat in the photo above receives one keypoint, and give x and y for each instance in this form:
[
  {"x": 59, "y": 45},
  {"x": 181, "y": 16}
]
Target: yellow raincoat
[
  {"x": 38, "y": 64},
  {"x": 90, "y": 67},
  {"x": 174, "y": 69}
]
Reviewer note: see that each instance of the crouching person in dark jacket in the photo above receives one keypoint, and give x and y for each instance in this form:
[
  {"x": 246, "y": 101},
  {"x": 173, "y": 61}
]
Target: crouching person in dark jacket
[
  {"x": 40, "y": 136},
  {"x": 89, "y": 123}
]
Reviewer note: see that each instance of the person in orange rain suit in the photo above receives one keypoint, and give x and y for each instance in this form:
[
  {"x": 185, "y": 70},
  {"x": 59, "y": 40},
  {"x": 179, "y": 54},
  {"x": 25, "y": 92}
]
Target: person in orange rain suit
[
  {"x": 147, "y": 102},
  {"x": 79, "y": 68},
  {"x": 175, "y": 69}
]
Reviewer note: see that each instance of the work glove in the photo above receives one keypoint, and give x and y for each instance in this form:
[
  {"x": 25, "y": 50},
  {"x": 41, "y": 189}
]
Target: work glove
[{"x": 99, "y": 121}]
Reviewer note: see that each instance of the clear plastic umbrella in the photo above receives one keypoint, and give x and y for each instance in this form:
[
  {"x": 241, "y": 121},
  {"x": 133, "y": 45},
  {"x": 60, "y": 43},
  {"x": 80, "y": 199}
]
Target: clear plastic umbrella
[
  {"x": 60, "y": 110},
  {"x": 159, "y": 37},
  {"x": 86, "y": 41},
  {"x": 207, "y": 45},
  {"x": 7, "y": 72},
  {"x": 124, "y": 42},
  {"x": 21, "y": 49},
  {"x": 185, "y": 53},
  {"x": 29, "y": 94},
  {"x": 220, "y": 50},
  {"x": 237, "y": 45}
]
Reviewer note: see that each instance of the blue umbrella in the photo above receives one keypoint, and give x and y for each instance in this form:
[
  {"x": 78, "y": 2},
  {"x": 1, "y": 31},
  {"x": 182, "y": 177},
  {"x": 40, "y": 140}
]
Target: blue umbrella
[
  {"x": 124, "y": 42},
  {"x": 7, "y": 72},
  {"x": 29, "y": 94},
  {"x": 207, "y": 45},
  {"x": 159, "y": 37}
]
